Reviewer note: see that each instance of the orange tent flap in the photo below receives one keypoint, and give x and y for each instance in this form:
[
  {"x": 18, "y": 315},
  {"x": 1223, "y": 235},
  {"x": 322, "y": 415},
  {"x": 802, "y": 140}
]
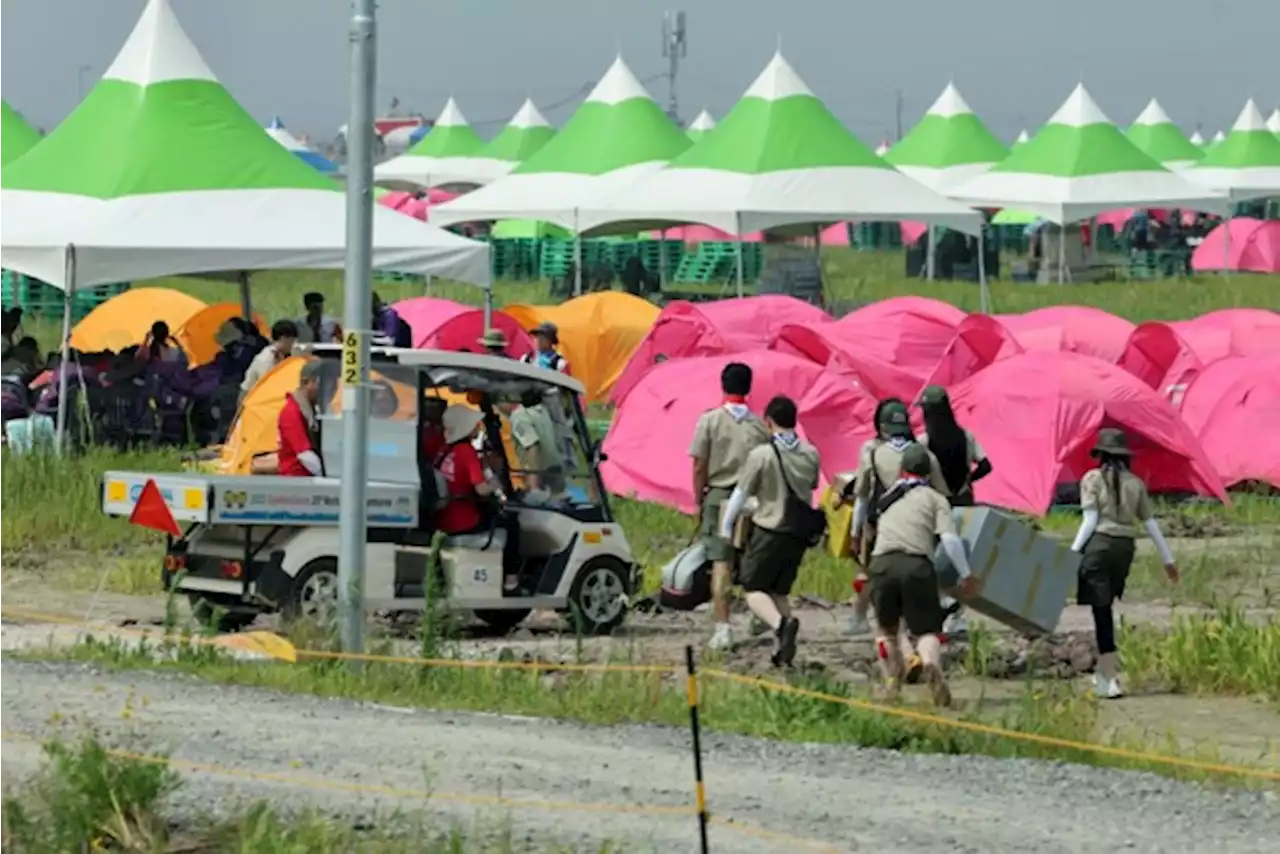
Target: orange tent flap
[
  {"x": 255, "y": 429},
  {"x": 198, "y": 336},
  {"x": 598, "y": 334},
  {"x": 125, "y": 319}
]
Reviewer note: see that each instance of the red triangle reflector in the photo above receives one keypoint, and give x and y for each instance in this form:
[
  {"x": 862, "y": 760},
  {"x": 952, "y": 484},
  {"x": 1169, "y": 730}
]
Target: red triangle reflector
[{"x": 150, "y": 511}]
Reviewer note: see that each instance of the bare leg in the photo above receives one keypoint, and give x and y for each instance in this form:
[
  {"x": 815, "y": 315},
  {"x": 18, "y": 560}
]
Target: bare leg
[
  {"x": 766, "y": 607},
  {"x": 721, "y": 582},
  {"x": 930, "y": 649}
]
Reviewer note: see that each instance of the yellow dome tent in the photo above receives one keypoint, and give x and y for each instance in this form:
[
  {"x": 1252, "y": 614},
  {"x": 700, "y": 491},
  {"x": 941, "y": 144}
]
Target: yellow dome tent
[
  {"x": 199, "y": 334},
  {"x": 125, "y": 319},
  {"x": 598, "y": 334}
]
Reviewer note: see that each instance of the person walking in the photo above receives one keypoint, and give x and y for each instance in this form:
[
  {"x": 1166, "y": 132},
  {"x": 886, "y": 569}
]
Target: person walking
[
  {"x": 1114, "y": 501},
  {"x": 963, "y": 463},
  {"x": 722, "y": 439},
  {"x": 778, "y": 474},
  {"x": 914, "y": 517},
  {"x": 879, "y": 465}
]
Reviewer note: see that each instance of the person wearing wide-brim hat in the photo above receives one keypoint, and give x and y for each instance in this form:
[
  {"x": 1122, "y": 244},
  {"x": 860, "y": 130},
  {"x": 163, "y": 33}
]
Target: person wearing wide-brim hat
[
  {"x": 1114, "y": 501},
  {"x": 546, "y": 336},
  {"x": 494, "y": 341}
]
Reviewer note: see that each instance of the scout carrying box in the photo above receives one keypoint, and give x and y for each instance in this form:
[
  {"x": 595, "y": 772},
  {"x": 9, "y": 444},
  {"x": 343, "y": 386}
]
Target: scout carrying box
[{"x": 1027, "y": 577}]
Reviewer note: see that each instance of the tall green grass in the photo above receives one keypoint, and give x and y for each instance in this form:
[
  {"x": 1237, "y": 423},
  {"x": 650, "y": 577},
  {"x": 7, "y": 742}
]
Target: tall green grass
[{"x": 1223, "y": 653}]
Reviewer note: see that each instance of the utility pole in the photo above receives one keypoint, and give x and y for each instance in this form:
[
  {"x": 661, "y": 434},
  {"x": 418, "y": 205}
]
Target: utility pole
[
  {"x": 674, "y": 49},
  {"x": 897, "y": 115},
  {"x": 357, "y": 318}
]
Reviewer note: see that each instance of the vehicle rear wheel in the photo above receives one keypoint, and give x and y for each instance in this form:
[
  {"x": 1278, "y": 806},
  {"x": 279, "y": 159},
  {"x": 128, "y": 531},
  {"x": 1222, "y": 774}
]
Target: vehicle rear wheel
[
  {"x": 503, "y": 620},
  {"x": 313, "y": 597},
  {"x": 216, "y": 613},
  {"x": 599, "y": 596}
]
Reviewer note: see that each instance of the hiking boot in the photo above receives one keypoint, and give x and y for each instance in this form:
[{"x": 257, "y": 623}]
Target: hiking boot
[
  {"x": 938, "y": 687},
  {"x": 721, "y": 639},
  {"x": 914, "y": 669},
  {"x": 955, "y": 625},
  {"x": 786, "y": 651}
]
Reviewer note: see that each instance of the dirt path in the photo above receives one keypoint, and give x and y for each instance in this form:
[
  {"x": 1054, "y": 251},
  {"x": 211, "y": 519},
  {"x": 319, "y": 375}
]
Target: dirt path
[{"x": 852, "y": 799}]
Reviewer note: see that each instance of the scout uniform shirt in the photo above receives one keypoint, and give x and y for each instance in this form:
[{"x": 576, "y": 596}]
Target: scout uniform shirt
[
  {"x": 888, "y": 467},
  {"x": 913, "y": 523},
  {"x": 535, "y": 439},
  {"x": 762, "y": 478},
  {"x": 1116, "y": 519},
  {"x": 724, "y": 439}
]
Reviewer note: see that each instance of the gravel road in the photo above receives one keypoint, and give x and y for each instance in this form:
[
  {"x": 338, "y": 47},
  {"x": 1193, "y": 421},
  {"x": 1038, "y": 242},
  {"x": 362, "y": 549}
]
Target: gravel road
[{"x": 851, "y": 799}]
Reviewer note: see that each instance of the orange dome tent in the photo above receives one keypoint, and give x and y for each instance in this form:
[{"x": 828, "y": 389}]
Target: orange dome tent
[
  {"x": 598, "y": 334},
  {"x": 198, "y": 336},
  {"x": 125, "y": 319}
]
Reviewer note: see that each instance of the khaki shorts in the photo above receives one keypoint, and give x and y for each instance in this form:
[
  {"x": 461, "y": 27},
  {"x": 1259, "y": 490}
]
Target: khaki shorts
[
  {"x": 718, "y": 548},
  {"x": 905, "y": 587}
]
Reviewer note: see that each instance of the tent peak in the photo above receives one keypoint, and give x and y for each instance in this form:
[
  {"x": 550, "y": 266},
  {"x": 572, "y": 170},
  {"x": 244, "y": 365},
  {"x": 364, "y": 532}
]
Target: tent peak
[
  {"x": 1197, "y": 138},
  {"x": 451, "y": 116},
  {"x": 703, "y": 121},
  {"x": 1079, "y": 110},
  {"x": 528, "y": 116},
  {"x": 158, "y": 50},
  {"x": 618, "y": 84},
  {"x": 1219, "y": 137},
  {"x": 275, "y": 124},
  {"x": 1153, "y": 114},
  {"x": 1273, "y": 123},
  {"x": 950, "y": 103},
  {"x": 778, "y": 80},
  {"x": 1023, "y": 136},
  {"x": 1250, "y": 119}
]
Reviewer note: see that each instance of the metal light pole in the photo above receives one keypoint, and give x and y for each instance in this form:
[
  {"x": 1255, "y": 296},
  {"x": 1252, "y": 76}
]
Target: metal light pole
[{"x": 357, "y": 318}]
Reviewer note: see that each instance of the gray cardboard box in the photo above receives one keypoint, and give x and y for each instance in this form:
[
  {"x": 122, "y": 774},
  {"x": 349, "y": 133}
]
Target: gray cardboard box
[{"x": 1027, "y": 577}]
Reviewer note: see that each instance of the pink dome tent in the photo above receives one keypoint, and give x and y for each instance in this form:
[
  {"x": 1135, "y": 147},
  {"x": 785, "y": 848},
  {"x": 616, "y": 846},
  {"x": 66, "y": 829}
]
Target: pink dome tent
[
  {"x": 1231, "y": 332},
  {"x": 712, "y": 329},
  {"x": 1226, "y": 406},
  {"x": 648, "y": 444},
  {"x": 1038, "y": 414},
  {"x": 1070, "y": 329},
  {"x": 1158, "y": 356},
  {"x": 441, "y": 324},
  {"x": 1254, "y": 247},
  {"x": 979, "y": 341}
]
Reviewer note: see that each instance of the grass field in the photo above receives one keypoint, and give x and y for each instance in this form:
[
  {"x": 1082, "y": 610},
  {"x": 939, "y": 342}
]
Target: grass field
[{"x": 52, "y": 530}]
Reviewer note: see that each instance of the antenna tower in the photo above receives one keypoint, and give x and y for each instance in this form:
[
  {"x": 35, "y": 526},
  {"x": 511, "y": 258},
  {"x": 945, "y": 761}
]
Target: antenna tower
[{"x": 674, "y": 49}]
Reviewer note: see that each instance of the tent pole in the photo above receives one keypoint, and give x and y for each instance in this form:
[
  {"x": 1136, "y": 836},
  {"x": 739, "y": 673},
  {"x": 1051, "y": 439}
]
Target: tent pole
[
  {"x": 488, "y": 306},
  {"x": 737, "y": 219},
  {"x": 577, "y": 257},
  {"x": 68, "y": 297},
  {"x": 931, "y": 256},
  {"x": 1062, "y": 254},
  {"x": 984, "y": 295},
  {"x": 246, "y": 303},
  {"x": 1226, "y": 245},
  {"x": 662, "y": 260},
  {"x": 357, "y": 318}
]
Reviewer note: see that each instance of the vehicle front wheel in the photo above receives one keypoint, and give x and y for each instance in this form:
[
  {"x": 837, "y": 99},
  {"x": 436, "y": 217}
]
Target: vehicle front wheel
[
  {"x": 599, "y": 596},
  {"x": 218, "y": 615},
  {"x": 313, "y": 596}
]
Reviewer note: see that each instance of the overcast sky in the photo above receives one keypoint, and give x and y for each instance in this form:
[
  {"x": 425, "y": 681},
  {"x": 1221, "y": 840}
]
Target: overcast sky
[{"x": 1013, "y": 61}]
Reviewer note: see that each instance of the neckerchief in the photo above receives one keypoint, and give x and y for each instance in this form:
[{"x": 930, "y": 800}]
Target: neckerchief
[
  {"x": 787, "y": 440},
  {"x": 899, "y": 443},
  {"x": 736, "y": 406},
  {"x": 549, "y": 360}
]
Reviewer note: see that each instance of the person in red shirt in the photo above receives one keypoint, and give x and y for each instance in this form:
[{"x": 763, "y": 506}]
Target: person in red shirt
[
  {"x": 460, "y": 464},
  {"x": 432, "y": 428},
  {"x": 297, "y": 426}
]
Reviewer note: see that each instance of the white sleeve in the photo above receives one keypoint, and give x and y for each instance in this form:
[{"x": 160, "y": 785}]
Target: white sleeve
[
  {"x": 311, "y": 462},
  {"x": 1153, "y": 531},
  {"x": 1088, "y": 524},
  {"x": 859, "y": 515},
  {"x": 954, "y": 547},
  {"x": 737, "y": 499}
]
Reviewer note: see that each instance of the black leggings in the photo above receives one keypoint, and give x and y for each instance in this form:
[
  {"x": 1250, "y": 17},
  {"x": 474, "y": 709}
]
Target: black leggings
[{"x": 1104, "y": 626}]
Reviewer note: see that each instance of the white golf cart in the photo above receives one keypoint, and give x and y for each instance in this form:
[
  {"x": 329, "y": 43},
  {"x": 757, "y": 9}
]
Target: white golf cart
[{"x": 260, "y": 543}]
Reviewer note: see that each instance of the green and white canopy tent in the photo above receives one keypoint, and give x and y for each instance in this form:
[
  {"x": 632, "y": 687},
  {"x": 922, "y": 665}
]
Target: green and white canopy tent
[
  {"x": 698, "y": 128},
  {"x": 1022, "y": 139},
  {"x": 1273, "y": 123},
  {"x": 949, "y": 146},
  {"x": 452, "y": 154},
  {"x": 1197, "y": 139},
  {"x": 1218, "y": 139},
  {"x": 1080, "y": 165},
  {"x": 16, "y": 136},
  {"x": 1246, "y": 165},
  {"x": 617, "y": 137},
  {"x": 778, "y": 159},
  {"x": 1156, "y": 134},
  {"x": 160, "y": 172}
]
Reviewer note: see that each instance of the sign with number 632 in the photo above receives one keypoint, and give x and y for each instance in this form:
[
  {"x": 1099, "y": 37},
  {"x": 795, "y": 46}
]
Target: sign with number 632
[{"x": 351, "y": 367}]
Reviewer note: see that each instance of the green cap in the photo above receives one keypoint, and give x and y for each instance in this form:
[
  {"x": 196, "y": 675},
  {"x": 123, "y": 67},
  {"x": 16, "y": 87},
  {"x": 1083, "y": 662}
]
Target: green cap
[
  {"x": 1112, "y": 441},
  {"x": 933, "y": 395},
  {"x": 915, "y": 460},
  {"x": 894, "y": 420}
]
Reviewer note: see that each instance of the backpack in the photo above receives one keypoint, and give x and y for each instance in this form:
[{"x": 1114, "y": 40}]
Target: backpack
[{"x": 686, "y": 580}]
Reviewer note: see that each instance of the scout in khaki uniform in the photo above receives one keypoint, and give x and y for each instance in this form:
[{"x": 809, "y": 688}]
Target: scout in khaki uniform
[
  {"x": 879, "y": 465},
  {"x": 777, "y": 474},
  {"x": 1114, "y": 501},
  {"x": 536, "y": 444},
  {"x": 914, "y": 517},
  {"x": 962, "y": 462},
  {"x": 721, "y": 441}
]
